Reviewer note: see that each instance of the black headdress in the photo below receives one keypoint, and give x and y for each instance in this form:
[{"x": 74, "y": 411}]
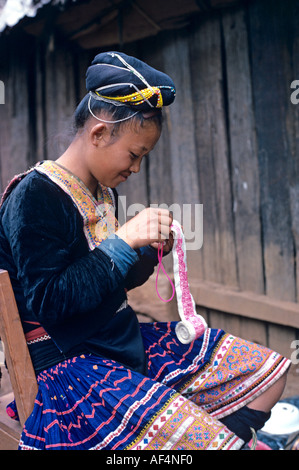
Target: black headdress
[{"x": 123, "y": 80}]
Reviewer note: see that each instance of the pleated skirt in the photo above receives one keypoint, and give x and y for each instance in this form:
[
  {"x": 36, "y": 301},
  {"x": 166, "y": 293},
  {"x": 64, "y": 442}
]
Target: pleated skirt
[{"x": 92, "y": 403}]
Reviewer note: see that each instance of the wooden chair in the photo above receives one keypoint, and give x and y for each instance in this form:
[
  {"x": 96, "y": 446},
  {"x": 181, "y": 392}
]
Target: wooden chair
[{"x": 19, "y": 365}]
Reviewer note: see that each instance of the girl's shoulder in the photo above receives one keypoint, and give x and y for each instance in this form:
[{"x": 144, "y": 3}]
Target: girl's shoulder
[
  {"x": 31, "y": 184},
  {"x": 34, "y": 192}
]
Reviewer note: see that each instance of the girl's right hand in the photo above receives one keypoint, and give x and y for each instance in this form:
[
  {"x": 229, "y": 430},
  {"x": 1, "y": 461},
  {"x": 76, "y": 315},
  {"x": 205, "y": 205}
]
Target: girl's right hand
[{"x": 149, "y": 226}]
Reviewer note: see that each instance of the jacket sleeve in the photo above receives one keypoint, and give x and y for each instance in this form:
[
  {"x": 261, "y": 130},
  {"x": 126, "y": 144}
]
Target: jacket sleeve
[
  {"x": 60, "y": 278},
  {"x": 143, "y": 268},
  {"x": 147, "y": 259}
]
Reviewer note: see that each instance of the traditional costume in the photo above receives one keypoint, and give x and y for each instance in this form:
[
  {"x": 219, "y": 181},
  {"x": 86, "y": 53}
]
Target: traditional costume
[{"x": 105, "y": 381}]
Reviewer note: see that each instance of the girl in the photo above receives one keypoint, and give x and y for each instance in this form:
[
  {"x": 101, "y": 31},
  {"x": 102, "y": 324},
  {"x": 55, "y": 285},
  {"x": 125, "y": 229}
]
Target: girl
[{"x": 106, "y": 381}]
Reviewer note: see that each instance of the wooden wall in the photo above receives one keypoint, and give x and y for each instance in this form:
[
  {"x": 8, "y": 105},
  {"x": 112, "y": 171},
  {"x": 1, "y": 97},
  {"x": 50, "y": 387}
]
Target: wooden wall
[
  {"x": 232, "y": 145},
  {"x": 230, "y": 142}
]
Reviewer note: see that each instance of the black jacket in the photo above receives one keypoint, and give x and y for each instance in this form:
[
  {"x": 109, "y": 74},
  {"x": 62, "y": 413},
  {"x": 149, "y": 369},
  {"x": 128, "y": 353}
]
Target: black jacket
[{"x": 74, "y": 293}]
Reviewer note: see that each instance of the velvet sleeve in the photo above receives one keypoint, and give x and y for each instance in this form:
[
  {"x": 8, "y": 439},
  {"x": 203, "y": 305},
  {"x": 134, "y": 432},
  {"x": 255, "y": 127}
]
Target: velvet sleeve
[
  {"x": 60, "y": 278},
  {"x": 146, "y": 261},
  {"x": 143, "y": 268}
]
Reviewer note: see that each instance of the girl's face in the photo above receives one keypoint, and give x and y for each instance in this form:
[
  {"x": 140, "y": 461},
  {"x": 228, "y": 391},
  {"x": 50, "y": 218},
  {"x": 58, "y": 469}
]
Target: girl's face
[{"x": 114, "y": 158}]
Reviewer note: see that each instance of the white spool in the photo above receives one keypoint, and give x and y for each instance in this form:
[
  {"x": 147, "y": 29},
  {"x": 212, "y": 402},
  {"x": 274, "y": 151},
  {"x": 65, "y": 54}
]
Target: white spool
[{"x": 185, "y": 332}]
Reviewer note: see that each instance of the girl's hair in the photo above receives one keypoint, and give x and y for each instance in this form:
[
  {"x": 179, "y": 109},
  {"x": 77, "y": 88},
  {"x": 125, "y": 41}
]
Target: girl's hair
[{"x": 110, "y": 112}]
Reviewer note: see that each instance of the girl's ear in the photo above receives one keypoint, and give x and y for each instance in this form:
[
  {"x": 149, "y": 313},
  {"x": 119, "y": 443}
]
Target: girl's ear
[{"x": 98, "y": 133}]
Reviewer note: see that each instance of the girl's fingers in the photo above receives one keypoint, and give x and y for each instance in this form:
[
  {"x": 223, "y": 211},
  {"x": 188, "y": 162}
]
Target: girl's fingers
[
  {"x": 150, "y": 225},
  {"x": 165, "y": 221}
]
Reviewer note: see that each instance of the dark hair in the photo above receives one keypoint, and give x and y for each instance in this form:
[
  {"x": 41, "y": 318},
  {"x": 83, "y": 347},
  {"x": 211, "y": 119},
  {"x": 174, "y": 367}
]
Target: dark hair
[{"x": 114, "y": 113}]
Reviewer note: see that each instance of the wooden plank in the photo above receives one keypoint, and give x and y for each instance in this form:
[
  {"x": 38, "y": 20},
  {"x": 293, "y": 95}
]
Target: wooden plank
[
  {"x": 82, "y": 62},
  {"x": 4, "y": 116},
  {"x": 172, "y": 180},
  {"x": 183, "y": 153},
  {"x": 19, "y": 363},
  {"x": 293, "y": 133},
  {"x": 182, "y": 143},
  {"x": 14, "y": 113},
  {"x": 291, "y": 388},
  {"x": 59, "y": 87},
  {"x": 246, "y": 304},
  {"x": 66, "y": 96},
  {"x": 10, "y": 430},
  {"x": 219, "y": 255},
  {"x": 9, "y": 440},
  {"x": 253, "y": 330},
  {"x": 294, "y": 196},
  {"x": 18, "y": 158},
  {"x": 50, "y": 103},
  {"x": 280, "y": 339},
  {"x": 270, "y": 35},
  {"x": 39, "y": 103},
  {"x": 242, "y": 327},
  {"x": 159, "y": 161},
  {"x": 228, "y": 323},
  {"x": 60, "y": 98},
  {"x": 243, "y": 153}
]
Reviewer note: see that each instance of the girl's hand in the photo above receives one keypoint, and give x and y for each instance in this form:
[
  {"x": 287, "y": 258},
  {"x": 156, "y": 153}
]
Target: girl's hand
[
  {"x": 167, "y": 244},
  {"x": 152, "y": 225}
]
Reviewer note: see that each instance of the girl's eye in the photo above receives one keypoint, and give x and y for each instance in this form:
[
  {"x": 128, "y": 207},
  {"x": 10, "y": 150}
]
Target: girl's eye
[{"x": 134, "y": 156}]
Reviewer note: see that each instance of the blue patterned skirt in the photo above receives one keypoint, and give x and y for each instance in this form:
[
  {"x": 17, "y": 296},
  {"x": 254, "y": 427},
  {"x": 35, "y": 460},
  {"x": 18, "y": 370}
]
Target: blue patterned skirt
[{"x": 89, "y": 402}]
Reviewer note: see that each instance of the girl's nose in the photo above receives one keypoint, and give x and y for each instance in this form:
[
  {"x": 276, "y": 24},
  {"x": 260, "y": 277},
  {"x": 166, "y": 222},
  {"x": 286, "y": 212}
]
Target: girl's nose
[{"x": 135, "y": 167}]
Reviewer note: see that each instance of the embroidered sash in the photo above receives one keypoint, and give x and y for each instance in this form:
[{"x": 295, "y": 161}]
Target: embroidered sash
[{"x": 192, "y": 325}]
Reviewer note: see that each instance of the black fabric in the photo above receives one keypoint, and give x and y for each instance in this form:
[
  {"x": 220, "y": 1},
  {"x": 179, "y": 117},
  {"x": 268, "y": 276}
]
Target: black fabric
[
  {"x": 242, "y": 420},
  {"x": 72, "y": 292},
  {"x": 100, "y": 74}
]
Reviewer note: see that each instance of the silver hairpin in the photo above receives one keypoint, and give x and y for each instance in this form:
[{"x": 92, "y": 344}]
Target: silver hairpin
[{"x": 103, "y": 120}]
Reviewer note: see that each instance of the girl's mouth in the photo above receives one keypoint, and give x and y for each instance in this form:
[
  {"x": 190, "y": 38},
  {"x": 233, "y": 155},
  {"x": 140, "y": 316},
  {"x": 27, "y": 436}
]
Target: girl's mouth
[{"x": 125, "y": 176}]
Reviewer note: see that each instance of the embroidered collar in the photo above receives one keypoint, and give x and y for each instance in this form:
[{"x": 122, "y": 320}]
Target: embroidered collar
[{"x": 98, "y": 213}]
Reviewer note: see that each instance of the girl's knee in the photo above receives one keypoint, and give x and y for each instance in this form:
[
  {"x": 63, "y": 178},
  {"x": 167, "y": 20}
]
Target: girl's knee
[{"x": 270, "y": 397}]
